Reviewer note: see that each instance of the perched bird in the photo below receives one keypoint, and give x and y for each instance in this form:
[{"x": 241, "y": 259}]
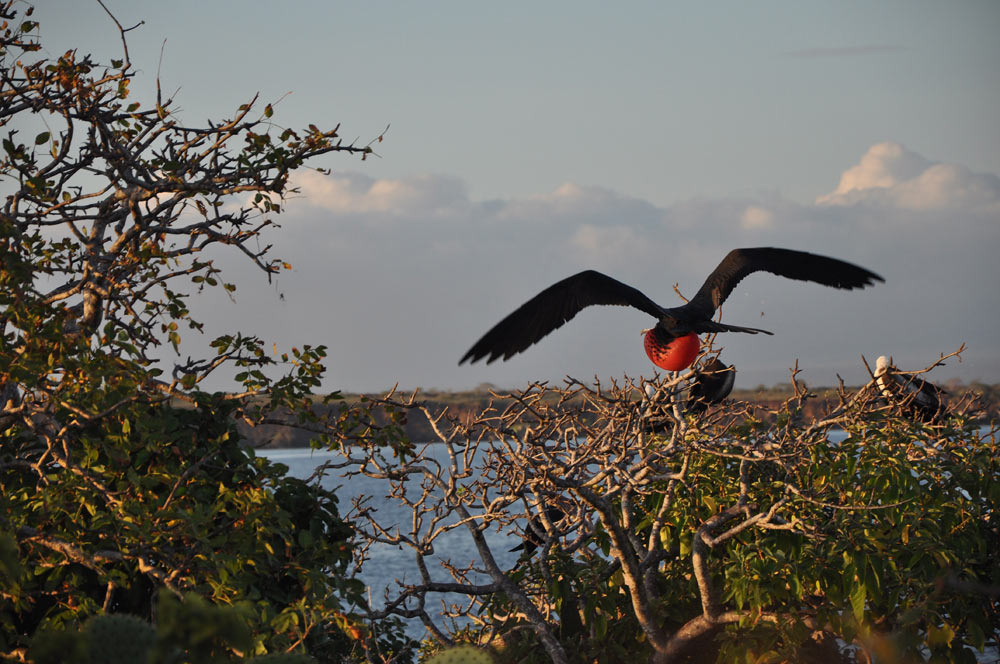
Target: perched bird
[
  {"x": 712, "y": 384},
  {"x": 534, "y": 533},
  {"x": 672, "y": 344},
  {"x": 920, "y": 399}
]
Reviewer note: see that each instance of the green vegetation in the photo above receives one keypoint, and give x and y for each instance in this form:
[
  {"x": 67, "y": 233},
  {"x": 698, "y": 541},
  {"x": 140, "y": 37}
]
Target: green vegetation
[
  {"x": 189, "y": 630},
  {"x": 461, "y": 655},
  {"x": 138, "y": 524},
  {"x": 722, "y": 537},
  {"x": 121, "y": 481}
]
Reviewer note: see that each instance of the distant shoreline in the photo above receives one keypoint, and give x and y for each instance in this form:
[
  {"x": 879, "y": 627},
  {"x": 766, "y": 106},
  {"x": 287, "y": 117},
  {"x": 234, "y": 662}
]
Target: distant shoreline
[{"x": 466, "y": 403}]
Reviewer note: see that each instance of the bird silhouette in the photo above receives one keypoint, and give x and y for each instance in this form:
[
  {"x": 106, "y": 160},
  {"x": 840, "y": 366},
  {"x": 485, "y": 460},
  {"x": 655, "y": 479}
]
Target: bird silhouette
[
  {"x": 672, "y": 343},
  {"x": 712, "y": 383},
  {"x": 534, "y": 533},
  {"x": 918, "y": 398}
]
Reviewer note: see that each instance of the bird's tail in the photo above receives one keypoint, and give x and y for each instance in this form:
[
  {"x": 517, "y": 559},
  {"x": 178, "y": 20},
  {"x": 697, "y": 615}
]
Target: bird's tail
[{"x": 712, "y": 326}]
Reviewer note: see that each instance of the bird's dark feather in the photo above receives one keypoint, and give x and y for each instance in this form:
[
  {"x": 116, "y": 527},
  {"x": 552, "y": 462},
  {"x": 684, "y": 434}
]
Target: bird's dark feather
[
  {"x": 713, "y": 382},
  {"x": 551, "y": 309},
  {"x": 921, "y": 399},
  {"x": 559, "y": 303},
  {"x": 787, "y": 263}
]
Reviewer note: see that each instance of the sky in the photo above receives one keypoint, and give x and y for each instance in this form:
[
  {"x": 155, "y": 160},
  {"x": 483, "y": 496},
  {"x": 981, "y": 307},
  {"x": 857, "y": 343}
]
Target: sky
[{"x": 529, "y": 141}]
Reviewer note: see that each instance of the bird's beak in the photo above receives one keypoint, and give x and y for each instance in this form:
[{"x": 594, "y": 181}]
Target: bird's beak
[{"x": 645, "y": 332}]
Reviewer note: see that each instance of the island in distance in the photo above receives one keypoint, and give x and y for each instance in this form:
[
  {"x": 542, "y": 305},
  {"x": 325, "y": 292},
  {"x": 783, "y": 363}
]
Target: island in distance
[{"x": 465, "y": 403}]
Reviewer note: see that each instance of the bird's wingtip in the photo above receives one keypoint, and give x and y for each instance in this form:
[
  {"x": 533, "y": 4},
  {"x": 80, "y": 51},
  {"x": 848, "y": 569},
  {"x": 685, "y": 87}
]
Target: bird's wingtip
[{"x": 871, "y": 278}]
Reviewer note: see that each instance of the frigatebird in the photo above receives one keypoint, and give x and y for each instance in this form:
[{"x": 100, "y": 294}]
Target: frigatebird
[
  {"x": 672, "y": 343},
  {"x": 534, "y": 533},
  {"x": 712, "y": 383},
  {"x": 920, "y": 399}
]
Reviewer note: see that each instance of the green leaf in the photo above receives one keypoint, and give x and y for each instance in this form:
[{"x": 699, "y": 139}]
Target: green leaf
[
  {"x": 940, "y": 637},
  {"x": 977, "y": 637},
  {"x": 42, "y": 138},
  {"x": 858, "y": 595},
  {"x": 600, "y": 626}
]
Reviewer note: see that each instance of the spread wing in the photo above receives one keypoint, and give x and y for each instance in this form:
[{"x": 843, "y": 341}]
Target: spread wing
[
  {"x": 788, "y": 263},
  {"x": 552, "y": 308}
]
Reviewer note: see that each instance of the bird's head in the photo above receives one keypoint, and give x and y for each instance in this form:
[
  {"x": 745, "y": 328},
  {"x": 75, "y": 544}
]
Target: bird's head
[
  {"x": 672, "y": 354},
  {"x": 882, "y": 365}
]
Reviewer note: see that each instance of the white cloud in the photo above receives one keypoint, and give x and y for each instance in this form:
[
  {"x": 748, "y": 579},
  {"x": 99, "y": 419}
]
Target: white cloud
[
  {"x": 883, "y": 166},
  {"x": 347, "y": 192},
  {"x": 577, "y": 204},
  {"x": 949, "y": 185},
  {"x": 399, "y": 277},
  {"x": 889, "y": 174},
  {"x": 755, "y": 217},
  {"x": 612, "y": 246}
]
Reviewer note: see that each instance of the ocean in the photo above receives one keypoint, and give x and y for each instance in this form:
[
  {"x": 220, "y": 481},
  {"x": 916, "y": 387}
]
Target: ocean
[{"x": 387, "y": 564}]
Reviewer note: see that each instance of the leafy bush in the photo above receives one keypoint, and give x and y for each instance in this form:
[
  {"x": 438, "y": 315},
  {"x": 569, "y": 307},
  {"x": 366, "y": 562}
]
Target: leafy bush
[
  {"x": 735, "y": 535},
  {"x": 119, "y": 475}
]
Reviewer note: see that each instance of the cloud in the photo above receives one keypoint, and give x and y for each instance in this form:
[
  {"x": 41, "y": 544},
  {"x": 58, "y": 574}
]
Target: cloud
[
  {"x": 608, "y": 247},
  {"x": 891, "y": 175},
  {"x": 578, "y": 204},
  {"x": 347, "y": 192},
  {"x": 883, "y": 166},
  {"x": 400, "y": 276},
  {"x": 756, "y": 217}
]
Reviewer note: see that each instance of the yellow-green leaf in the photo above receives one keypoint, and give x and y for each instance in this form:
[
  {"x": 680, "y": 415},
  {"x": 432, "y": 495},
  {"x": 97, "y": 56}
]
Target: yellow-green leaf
[
  {"x": 940, "y": 637},
  {"x": 858, "y": 601}
]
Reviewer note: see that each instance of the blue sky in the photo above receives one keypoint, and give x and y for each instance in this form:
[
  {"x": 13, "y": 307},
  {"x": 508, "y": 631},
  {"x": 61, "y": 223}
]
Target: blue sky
[{"x": 531, "y": 140}]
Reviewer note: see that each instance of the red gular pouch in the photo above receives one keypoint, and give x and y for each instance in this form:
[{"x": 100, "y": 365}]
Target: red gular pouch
[{"x": 676, "y": 354}]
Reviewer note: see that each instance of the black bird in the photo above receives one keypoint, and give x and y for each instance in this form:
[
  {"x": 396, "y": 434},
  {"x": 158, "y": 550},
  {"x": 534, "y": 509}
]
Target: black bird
[
  {"x": 534, "y": 533},
  {"x": 920, "y": 399},
  {"x": 673, "y": 343},
  {"x": 711, "y": 385}
]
